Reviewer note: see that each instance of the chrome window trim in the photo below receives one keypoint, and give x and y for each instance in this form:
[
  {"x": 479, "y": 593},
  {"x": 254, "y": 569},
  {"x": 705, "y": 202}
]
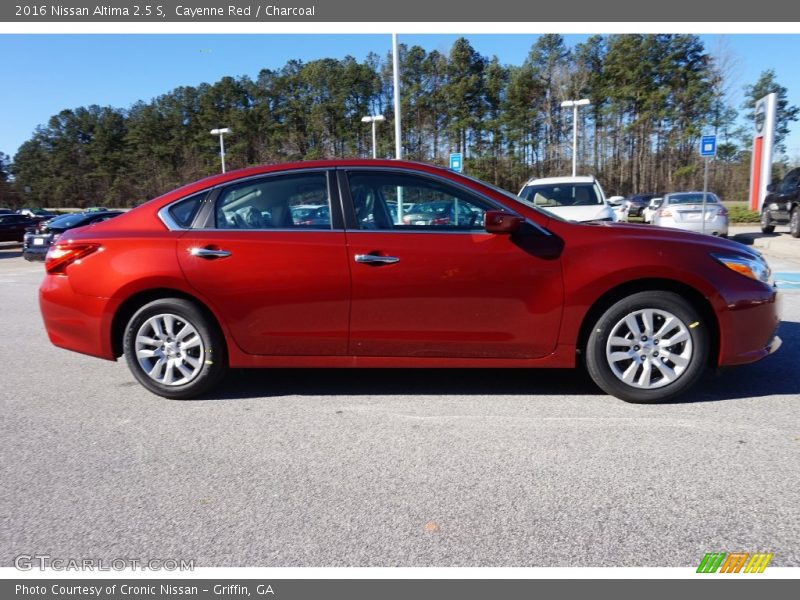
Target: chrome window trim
[
  {"x": 166, "y": 218},
  {"x": 171, "y": 225},
  {"x": 424, "y": 231}
]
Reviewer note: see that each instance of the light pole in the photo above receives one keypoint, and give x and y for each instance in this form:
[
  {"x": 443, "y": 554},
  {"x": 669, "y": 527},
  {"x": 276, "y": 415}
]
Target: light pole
[
  {"x": 374, "y": 120},
  {"x": 575, "y": 104},
  {"x": 398, "y": 143},
  {"x": 221, "y": 133}
]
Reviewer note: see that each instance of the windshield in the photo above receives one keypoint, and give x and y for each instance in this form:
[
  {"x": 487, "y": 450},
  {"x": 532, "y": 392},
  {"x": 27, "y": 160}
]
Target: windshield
[
  {"x": 691, "y": 198},
  {"x": 563, "y": 194}
]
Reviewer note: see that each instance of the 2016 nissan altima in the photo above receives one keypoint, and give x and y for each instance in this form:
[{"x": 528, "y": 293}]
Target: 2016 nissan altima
[{"x": 221, "y": 273}]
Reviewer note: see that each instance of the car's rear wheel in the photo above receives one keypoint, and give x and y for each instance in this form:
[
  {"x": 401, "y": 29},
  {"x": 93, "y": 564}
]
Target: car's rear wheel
[
  {"x": 648, "y": 347},
  {"x": 173, "y": 349},
  {"x": 765, "y": 222},
  {"x": 794, "y": 223}
]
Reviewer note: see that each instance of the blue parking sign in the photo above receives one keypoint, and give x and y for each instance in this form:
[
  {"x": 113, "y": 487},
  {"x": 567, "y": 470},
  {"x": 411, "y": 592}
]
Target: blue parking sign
[
  {"x": 708, "y": 145},
  {"x": 456, "y": 162}
]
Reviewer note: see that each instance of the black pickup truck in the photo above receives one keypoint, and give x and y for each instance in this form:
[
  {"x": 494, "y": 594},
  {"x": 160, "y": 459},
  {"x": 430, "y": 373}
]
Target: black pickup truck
[{"x": 781, "y": 205}]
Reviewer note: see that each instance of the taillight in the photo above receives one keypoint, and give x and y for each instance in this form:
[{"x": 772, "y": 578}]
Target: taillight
[
  {"x": 60, "y": 256},
  {"x": 440, "y": 221}
]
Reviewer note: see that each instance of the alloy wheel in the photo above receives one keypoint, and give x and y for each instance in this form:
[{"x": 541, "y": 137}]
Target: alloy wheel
[
  {"x": 649, "y": 348},
  {"x": 169, "y": 349}
]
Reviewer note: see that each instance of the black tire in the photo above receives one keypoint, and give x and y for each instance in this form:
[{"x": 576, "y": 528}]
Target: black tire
[
  {"x": 794, "y": 223},
  {"x": 210, "y": 359},
  {"x": 765, "y": 222},
  {"x": 661, "y": 302}
]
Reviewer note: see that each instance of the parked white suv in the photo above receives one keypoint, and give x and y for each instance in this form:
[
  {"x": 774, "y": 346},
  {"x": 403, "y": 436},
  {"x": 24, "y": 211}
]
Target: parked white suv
[{"x": 572, "y": 198}]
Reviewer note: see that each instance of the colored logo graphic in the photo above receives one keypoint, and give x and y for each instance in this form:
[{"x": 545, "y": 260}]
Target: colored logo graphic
[{"x": 734, "y": 562}]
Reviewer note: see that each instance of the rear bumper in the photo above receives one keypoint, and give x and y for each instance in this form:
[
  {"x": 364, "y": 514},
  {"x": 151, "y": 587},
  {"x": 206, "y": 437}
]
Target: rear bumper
[
  {"x": 34, "y": 253},
  {"x": 713, "y": 227},
  {"x": 73, "y": 321}
]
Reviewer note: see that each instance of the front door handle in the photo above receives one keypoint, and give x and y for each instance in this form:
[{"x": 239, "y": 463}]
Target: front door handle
[
  {"x": 376, "y": 259},
  {"x": 209, "y": 253}
]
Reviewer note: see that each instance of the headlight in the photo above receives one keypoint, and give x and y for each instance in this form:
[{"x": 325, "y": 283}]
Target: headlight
[{"x": 752, "y": 267}]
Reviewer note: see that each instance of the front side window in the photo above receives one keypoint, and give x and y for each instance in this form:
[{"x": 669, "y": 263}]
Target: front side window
[
  {"x": 297, "y": 201},
  {"x": 399, "y": 201}
]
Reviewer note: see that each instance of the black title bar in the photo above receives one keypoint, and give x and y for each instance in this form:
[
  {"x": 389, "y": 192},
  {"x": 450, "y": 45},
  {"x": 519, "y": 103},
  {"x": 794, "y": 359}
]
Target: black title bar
[{"x": 253, "y": 11}]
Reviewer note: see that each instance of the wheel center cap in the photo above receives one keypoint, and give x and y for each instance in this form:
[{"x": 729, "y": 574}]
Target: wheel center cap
[{"x": 171, "y": 348}]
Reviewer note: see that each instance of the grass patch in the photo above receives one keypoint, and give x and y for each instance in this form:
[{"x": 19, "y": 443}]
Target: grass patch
[{"x": 741, "y": 213}]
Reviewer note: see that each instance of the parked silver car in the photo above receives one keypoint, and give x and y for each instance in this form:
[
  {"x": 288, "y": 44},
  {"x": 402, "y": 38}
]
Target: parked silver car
[
  {"x": 650, "y": 209},
  {"x": 684, "y": 210}
]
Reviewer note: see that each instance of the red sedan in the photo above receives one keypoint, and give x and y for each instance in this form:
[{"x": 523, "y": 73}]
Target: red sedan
[{"x": 220, "y": 274}]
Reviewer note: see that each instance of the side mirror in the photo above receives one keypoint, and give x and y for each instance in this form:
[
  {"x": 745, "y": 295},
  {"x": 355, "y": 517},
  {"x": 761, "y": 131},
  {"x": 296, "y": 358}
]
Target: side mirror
[
  {"x": 771, "y": 187},
  {"x": 497, "y": 221}
]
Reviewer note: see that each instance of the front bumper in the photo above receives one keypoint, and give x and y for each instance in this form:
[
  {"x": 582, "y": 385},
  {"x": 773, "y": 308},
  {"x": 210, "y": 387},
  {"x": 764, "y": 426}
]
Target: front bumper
[{"x": 748, "y": 326}]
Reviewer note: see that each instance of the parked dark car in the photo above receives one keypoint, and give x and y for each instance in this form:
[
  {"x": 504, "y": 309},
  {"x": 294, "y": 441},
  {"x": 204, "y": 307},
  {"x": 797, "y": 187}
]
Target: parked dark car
[
  {"x": 37, "y": 242},
  {"x": 6, "y": 211},
  {"x": 185, "y": 290},
  {"x": 37, "y": 213},
  {"x": 311, "y": 215},
  {"x": 12, "y": 227},
  {"x": 781, "y": 204},
  {"x": 637, "y": 203}
]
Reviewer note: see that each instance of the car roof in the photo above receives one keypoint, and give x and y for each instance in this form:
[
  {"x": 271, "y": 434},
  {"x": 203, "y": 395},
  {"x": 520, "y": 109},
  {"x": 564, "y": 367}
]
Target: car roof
[{"x": 562, "y": 180}]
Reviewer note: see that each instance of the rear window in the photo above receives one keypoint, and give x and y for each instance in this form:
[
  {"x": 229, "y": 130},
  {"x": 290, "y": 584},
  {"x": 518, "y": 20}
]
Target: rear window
[
  {"x": 69, "y": 221},
  {"x": 693, "y": 198},
  {"x": 184, "y": 212}
]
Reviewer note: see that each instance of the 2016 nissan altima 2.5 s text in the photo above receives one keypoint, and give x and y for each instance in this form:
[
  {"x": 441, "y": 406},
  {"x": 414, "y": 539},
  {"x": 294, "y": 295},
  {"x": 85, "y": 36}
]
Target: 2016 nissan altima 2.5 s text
[{"x": 223, "y": 273}]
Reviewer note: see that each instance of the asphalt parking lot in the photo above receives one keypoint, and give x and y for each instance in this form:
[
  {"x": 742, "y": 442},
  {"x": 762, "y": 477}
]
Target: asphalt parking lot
[{"x": 392, "y": 468}]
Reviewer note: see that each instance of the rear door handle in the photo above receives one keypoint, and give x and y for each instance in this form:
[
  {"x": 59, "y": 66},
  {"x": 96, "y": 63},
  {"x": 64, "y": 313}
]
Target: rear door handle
[
  {"x": 376, "y": 259},
  {"x": 209, "y": 253}
]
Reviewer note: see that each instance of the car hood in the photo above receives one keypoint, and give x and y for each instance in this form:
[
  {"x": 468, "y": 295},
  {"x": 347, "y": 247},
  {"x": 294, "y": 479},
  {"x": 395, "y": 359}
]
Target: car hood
[
  {"x": 581, "y": 213},
  {"x": 658, "y": 234}
]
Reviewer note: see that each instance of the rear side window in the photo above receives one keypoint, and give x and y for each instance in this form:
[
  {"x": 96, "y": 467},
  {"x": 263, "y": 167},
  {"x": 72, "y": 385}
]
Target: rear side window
[
  {"x": 184, "y": 212},
  {"x": 296, "y": 201}
]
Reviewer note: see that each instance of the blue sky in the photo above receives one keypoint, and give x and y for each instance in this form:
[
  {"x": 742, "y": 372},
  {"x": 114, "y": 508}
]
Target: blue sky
[{"x": 46, "y": 73}]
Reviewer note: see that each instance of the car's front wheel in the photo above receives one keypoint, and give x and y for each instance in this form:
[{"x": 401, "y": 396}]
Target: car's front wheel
[
  {"x": 173, "y": 349},
  {"x": 648, "y": 347},
  {"x": 794, "y": 223},
  {"x": 765, "y": 222}
]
